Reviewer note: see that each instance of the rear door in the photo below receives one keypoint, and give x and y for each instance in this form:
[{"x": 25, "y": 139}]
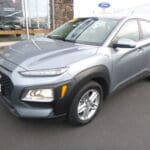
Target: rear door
[{"x": 145, "y": 42}]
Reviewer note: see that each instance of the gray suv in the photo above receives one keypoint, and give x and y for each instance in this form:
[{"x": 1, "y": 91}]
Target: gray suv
[{"x": 71, "y": 70}]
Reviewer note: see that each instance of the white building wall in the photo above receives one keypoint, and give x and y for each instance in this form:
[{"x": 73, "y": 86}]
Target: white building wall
[{"x": 84, "y": 8}]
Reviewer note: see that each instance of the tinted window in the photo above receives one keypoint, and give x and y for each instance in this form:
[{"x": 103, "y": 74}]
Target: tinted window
[
  {"x": 145, "y": 29},
  {"x": 129, "y": 31}
]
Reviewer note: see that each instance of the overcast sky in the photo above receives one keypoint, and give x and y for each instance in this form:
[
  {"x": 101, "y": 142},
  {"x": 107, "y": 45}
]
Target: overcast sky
[{"x": 90, "y": 7}]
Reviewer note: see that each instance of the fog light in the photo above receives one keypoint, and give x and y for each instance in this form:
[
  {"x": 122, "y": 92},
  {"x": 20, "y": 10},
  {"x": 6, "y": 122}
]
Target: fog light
[{"x": 39, "y": 95}]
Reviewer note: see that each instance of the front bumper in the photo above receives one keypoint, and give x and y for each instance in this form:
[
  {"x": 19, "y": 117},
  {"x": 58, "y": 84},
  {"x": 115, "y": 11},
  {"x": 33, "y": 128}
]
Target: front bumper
[
  {"x": 28, "y": 112},
  {"x": 12, "y": 100},
  {"x": 22, "y": 109}
]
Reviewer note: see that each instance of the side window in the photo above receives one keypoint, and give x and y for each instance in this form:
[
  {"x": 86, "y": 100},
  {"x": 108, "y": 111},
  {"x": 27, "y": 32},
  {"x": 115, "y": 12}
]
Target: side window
[
  {"x": 129, "y": 30},
  {"x": 145, "y": 25}
]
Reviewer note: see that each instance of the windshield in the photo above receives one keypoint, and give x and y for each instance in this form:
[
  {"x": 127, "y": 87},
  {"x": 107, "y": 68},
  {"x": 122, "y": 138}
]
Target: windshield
[{"x": 87, "y": 31}]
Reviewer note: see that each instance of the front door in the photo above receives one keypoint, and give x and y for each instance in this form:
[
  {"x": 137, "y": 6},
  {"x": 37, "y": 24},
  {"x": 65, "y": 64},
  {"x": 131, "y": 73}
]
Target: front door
[{"x": 127, "y": 62}]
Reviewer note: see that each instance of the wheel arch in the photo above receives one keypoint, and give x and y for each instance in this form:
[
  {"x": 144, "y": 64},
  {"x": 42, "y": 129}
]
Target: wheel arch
[{"x": 99, "y": 74}]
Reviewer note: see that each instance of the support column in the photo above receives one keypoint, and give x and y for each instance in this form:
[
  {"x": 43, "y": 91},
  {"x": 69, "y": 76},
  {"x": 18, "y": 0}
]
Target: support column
[{"x": 63, "y": 11}]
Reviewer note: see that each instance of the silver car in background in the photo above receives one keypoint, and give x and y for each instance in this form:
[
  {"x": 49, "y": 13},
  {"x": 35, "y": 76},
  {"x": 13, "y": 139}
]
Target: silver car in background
[{"x": 71, "y": 70}]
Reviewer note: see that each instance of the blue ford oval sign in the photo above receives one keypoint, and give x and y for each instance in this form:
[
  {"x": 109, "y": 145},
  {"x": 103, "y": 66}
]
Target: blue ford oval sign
[{"x": 104, "y": 5}]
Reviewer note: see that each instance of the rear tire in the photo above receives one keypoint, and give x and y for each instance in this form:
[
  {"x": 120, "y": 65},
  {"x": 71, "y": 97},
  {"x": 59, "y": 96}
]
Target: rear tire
[{"x": 87, "y": 102}]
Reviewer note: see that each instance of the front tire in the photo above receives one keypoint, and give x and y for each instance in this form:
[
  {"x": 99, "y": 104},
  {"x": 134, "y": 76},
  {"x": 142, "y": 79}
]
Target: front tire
[{"x": 86, "y": 104}]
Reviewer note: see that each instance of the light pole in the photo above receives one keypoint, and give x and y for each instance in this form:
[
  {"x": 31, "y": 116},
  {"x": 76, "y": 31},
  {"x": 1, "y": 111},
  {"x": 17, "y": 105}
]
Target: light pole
[
  {"x": 48, "y": 14},
  {"x": 25, "y": 3},
  {"x": 37, "y": 13}
]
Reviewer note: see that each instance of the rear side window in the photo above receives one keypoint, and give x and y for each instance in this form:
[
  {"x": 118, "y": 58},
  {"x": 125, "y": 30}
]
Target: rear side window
[{"x": 145, "y": 25}]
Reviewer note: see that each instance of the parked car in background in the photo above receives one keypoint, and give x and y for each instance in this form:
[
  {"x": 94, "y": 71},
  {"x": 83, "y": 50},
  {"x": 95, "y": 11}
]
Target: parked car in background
[
  {"x": 74, "y": 68},
  {"x": 10, "y": 27},
  {"x": 11, "y": 23}
]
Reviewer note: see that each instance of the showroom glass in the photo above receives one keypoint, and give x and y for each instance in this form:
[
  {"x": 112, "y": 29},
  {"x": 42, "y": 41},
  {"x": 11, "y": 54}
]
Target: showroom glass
[
  {"x": 90, "y": 31},
  {"x": 17, "y": 16},
  {"x": 145, "y": 25},
  {"x": 129, "y": 30}
]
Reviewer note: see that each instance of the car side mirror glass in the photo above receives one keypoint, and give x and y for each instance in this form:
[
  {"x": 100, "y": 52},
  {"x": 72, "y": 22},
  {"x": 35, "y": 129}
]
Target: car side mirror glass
[{"x": 125, "y": 43}]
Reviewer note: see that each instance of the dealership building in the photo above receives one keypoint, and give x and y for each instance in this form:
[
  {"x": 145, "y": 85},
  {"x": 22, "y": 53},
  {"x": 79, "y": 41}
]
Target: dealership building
[
  {"x": 42, "y": 16},
  {"x": 35, "y": 14}
]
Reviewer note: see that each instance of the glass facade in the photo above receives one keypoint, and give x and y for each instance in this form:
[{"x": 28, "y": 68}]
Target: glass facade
[{"x": 19, "y": 17}]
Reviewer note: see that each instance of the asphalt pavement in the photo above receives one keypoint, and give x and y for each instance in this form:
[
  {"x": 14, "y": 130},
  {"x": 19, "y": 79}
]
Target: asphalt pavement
[{"x": 123, "y": 124}]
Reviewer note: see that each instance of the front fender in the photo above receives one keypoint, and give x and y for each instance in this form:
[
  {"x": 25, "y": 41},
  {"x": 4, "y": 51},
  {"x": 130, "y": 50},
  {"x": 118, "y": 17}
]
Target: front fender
[
  {"x": 97, "y": 72},
  {"x": 91, "y": 73}
]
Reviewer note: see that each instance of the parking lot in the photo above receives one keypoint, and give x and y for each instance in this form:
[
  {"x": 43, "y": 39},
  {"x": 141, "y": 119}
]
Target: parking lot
[{"x": 123, "y": 124}]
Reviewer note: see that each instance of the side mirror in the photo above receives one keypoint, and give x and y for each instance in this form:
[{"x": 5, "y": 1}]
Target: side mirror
[{"x": 125, "y": 43}]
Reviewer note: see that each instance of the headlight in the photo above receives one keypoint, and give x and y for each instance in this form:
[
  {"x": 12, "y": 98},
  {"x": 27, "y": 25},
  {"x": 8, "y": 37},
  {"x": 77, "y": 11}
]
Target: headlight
[
  {"x": 39, "y": 95},
  {"x": 50, "y": 72}
]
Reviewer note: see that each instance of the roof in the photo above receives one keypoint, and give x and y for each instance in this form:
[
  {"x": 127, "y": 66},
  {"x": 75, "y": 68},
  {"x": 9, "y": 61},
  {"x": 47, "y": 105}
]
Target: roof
[{"x": 119, "y": 17}]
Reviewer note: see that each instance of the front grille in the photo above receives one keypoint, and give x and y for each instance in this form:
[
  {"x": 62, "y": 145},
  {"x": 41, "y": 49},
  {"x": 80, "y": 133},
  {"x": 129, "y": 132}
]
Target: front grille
[{"x": 6, "y": 86}]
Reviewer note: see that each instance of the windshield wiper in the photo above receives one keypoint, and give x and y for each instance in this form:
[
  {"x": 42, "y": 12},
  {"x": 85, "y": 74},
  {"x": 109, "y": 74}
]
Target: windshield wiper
[
  {"x": 67, "y": 40},
  {"x": 57, "y": 37}
]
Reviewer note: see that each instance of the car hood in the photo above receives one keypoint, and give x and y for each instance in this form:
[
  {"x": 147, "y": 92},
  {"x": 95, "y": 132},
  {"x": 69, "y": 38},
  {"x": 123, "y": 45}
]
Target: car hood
[{"x": 44, "y": 53}]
